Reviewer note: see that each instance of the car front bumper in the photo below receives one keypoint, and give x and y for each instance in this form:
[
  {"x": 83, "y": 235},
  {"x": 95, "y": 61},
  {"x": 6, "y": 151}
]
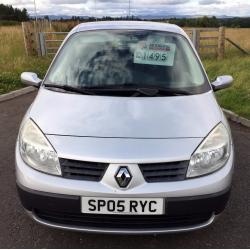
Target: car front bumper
[
  {"x": 190, "y": 204},
  {"x": 64, "y": 212}
]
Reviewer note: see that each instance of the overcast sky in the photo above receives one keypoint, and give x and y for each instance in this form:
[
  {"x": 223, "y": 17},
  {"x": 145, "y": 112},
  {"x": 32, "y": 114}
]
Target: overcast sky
[{"x": 138, "y": 7}]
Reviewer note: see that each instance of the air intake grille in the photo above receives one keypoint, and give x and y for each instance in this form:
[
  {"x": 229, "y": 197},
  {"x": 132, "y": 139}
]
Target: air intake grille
[
  {"x": 163, "y": 172},
  {"x": 82, "y": 170},
  {"x": 129, "y": 222}
]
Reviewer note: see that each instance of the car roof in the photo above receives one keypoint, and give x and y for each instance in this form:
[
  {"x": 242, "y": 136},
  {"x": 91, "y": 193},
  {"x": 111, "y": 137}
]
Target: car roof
[{"x": 128, "y": 25}]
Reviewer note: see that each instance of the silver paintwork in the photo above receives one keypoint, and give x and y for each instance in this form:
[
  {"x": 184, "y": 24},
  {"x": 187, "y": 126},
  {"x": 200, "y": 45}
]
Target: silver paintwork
[
  {"x": 108, "y": 187},
  {"x": 125, "y": 131},
  {"x": 30, "y": 79},
  {"x": 128, "y": 25},
  {"x": 122, "y": 231},
  {"x": 124, "y": 150},
  {"x": 125, "y": 117},
  {"x": 222, "y": 82}
]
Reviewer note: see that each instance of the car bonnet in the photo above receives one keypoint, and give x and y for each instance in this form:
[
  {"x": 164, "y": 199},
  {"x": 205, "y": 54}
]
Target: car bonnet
[{"x": 66, "y": 114}]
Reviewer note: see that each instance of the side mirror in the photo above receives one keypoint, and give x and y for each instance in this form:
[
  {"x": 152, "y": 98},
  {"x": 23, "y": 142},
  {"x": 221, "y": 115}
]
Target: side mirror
[
  {"x": 31, "y": 79},
  {"x": 222, "y": 82}
]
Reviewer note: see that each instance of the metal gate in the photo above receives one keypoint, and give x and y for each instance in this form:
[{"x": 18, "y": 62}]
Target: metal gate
[
  {"x": 49, "y": 42},
  {"x": 201, "y": 41}
]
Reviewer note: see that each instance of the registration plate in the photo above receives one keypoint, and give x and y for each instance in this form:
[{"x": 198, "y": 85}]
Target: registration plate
[{"x": 126, "y": 206}]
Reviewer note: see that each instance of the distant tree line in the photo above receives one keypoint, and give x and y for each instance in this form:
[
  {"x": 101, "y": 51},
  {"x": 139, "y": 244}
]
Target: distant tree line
[
  {"x": 7, "y": 12},
  {"x": 235, "y": 22}
]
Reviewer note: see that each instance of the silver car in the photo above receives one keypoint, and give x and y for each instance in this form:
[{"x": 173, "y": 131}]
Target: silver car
[{"x": 125, "y": 134}]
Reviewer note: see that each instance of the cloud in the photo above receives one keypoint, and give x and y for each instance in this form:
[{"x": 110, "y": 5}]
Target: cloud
[
  {"x": 17, "y": 2},
  {"x": 209, "y": 2},
  {"x": 164, "y": 2},
  {"x": 146, "y": 1},
  {"x": 138, "y": 7},
  {"x": 142, "y": 2},
  {"x": 67, "y": 2}
]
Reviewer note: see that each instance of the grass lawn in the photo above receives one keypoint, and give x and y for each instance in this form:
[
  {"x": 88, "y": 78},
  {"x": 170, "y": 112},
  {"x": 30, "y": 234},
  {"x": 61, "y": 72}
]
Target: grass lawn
[
  {"x": 13, "y": 62},
  {"x": 237, "y": 97}
]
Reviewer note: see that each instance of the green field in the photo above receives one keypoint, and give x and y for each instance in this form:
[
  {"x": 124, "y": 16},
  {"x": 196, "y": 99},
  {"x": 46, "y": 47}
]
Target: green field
[
  {"x": 236, "y": 98},
  {"x": 13, "y": 61}
]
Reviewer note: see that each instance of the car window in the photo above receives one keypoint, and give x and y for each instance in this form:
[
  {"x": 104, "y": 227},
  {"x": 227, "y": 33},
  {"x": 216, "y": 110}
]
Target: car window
[{"x": 122, "y": 57}]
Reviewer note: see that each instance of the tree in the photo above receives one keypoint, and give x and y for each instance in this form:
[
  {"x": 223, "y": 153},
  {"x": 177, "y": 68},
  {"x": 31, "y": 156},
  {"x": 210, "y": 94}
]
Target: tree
[{"x": 7, "y": 12}]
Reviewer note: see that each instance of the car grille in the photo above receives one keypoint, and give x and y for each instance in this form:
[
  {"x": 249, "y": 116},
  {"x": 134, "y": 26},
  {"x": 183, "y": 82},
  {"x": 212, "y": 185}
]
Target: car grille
[
  {"x": 152, "y": 172},
  {"x": 163, "y": 172},
  {"x": 132, "y": 222},
  {"x": 82, "y": 170}
]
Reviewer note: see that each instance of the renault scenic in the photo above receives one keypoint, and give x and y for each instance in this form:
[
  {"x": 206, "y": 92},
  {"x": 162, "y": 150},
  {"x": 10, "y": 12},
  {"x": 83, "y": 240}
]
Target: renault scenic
[{"x": 125, "y": 134}]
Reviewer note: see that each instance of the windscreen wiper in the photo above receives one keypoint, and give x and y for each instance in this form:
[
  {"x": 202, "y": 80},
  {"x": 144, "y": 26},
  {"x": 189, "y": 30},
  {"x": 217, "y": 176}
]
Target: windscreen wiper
[
  {"x": 122, "y": 90},
  {"x": 126, "y": 89},
  {"x": 173, "y": 92},
  {"x": 136, "y": 90},
  {"x": 70, "y": 89}
]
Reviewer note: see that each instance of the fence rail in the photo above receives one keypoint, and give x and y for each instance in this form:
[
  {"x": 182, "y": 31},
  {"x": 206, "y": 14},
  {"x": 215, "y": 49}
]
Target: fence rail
[
  {"x": 208, "y": 38},
  {"x": 42, "y": 42},
  {"x": 238, "y": 46},
  {"x": 49, "y": 42}
]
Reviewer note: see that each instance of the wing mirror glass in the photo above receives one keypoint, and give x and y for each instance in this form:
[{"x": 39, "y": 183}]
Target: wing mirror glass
[
  {"x": 222, "y": 82},
  {"x": 31, "y": 79}
]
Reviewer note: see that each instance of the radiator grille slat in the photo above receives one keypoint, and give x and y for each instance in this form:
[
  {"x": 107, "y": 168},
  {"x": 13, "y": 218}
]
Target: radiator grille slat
[
  {"x": 123, "y": 221},
  {"x": 81, "y": 170},
  {"x": 163, "y": 172}
]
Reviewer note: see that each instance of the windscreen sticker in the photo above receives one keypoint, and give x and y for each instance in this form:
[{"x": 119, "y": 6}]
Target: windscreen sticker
[{"x": 155, "y": 53}]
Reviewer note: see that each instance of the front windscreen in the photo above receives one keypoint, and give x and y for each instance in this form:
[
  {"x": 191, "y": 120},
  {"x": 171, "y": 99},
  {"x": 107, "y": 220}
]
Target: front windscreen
[{"x": 139, "y": 58}]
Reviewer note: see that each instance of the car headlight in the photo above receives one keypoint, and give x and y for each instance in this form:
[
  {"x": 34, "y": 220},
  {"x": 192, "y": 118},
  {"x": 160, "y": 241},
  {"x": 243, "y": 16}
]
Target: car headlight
[
  {"x": 36, "y": 151},
  {"x": 212, "y": 153}
]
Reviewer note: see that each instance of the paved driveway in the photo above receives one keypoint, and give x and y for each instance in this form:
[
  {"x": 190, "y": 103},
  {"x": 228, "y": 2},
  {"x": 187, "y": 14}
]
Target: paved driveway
[{"x": 232, "y": 229}]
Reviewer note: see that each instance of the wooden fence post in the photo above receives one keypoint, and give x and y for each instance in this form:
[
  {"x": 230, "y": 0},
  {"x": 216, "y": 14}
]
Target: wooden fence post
[
  {"x": 36, "y": 25},
  {"x": 196, "y": 39},
  {"x": 25, "y": 39},
  {"x": 29, "y": 38},
  {"x": 221, "y": 43},
  {"x": 42, "y": 46}
]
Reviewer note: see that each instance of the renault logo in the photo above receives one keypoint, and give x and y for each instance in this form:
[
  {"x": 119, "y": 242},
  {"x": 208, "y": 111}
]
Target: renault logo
[{"x": 123, "y": 177}]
